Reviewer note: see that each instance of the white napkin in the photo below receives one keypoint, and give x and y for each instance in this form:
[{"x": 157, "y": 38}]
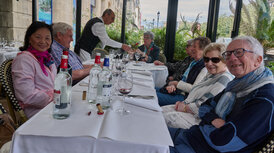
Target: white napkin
[
  {"x": 149, "y": 104},
  {"x": 142, "y": 72}
]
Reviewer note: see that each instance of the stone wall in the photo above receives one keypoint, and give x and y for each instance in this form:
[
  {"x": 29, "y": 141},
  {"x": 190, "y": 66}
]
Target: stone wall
[
  {"x": 62, "y": 11},
  {"x": 15, "y": 17}
]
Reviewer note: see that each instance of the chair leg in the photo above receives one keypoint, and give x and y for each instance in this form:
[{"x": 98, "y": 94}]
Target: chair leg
[{"x": 11, "y": 111}]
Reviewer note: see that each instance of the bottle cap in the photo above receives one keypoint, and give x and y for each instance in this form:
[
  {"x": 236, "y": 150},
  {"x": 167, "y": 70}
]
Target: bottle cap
[
  {"x": 65, "y": 51},
  {"x": 106, "y": 61},
  {"x": 97, "y": 58}
]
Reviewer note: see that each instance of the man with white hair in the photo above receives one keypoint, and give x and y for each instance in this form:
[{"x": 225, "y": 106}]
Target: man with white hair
[
  {"x": 62, "y": 34},
  {"x": 241, "y": 116}
]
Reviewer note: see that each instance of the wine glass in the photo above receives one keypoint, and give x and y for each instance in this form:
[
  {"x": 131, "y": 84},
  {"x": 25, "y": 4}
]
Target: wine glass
[
  {"x": 137, "y": 56},
  {"x": 119, "y": 53},
  {"x": 125, "y": 58},
  {"x": 4, "y": 42},
  {"x": 125, "y": 84}
]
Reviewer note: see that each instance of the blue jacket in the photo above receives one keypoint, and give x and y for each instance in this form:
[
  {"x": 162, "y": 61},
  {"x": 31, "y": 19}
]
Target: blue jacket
[{"x": 249, "y": 123}]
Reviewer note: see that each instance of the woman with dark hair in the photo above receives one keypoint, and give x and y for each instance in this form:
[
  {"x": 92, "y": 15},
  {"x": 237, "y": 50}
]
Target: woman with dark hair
[{"x": 33, "y": 69}]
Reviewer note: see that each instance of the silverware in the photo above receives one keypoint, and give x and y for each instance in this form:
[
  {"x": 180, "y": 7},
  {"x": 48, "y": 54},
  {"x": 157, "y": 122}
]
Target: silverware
[
  {"x": 139, "y": 96},
  {"x": 83, "y": 84}
]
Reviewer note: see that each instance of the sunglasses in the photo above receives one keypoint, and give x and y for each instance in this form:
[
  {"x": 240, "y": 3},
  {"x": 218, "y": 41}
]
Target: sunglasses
[{"x": 213, "y": 59}]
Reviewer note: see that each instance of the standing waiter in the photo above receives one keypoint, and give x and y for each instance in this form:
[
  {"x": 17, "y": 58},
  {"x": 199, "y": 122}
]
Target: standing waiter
[{"x": 93, "y": 33}]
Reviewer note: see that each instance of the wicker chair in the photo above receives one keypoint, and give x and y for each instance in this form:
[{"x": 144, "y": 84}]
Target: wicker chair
[
  {"x": 162, "y": 58},
  {"x": 13, "y": 105},
  {"x": 267, "y": 146},
  {"x": 2, "y": 109},
  {"x": 99, "y": 50}
]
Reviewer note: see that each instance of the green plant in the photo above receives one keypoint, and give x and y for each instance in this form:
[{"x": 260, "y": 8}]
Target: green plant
[
  {"x": 160, "y": 37},
  {"x": 256, "y": 21},
  {"x": 270, "y": 65}
]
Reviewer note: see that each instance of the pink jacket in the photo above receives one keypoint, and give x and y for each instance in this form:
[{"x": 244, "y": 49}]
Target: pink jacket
[{"x": 33, "y": 89}]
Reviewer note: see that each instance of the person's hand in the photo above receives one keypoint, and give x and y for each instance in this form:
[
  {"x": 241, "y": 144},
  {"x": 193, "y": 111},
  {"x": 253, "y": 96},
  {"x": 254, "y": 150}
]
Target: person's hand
[
  {"x": 171, "y": 88},
  {"x": 218, "y": 122},
  {"x": 180, "y": 106},
  {"x": 175, "y": 83},
  {"x": 126, "y": 47},
  {"x": 144, "y": 59},
  {"x": 158, "y": 63},
  {"x": 170, "y": 78},
  {"x": 131, "y": 51},
  {"x": 140, "y": 52},
  {"x": 88, "y": 66}
]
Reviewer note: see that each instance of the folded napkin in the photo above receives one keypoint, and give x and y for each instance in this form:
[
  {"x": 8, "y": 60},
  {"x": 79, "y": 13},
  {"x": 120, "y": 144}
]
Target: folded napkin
[
  {"x": 142, "y": 72},
  {"x": 145, "y": 103}
]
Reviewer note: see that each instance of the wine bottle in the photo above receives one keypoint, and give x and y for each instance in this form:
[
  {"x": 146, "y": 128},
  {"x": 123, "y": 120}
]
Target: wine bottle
[
  {"x": 104, "y": 85},
  {"x": 93, "y": 79},
  {"x": 62, "y": 91}
]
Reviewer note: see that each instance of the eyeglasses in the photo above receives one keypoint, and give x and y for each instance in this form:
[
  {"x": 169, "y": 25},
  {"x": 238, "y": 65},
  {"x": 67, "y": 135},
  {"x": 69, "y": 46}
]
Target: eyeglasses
[
  {"x": 239, "y": 52},
  {"x": 213, "y": 59}
]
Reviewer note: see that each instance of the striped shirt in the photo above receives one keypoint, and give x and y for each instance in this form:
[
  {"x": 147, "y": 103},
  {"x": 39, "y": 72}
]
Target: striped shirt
[{"x": 56, "y": 53}]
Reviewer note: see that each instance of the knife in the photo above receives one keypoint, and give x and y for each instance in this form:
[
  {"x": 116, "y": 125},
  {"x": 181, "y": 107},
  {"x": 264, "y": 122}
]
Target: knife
[{"x": 139, "y": 96}]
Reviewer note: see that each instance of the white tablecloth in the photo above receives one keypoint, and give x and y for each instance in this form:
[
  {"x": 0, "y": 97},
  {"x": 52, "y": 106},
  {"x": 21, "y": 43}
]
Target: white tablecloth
[
  {"x": 159, "y": 73},
  {"x": 142, "y": 131},
  {"x": 7, "y": 53}
]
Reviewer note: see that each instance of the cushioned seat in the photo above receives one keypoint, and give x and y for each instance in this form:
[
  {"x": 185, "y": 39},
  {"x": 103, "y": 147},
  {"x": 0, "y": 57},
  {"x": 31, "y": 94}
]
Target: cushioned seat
[{"x": 6, "y": 81}]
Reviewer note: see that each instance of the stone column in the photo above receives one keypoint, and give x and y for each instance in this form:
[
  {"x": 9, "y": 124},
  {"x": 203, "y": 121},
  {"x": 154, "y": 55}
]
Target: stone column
[
  {"x": 15, "y": 17},
  {"x": 62, "y": 11}
]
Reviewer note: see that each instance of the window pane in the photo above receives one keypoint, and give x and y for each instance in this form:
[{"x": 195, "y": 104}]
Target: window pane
[
  {"x": 191, "y": 23},
  {"x": 225, "y": 21}
]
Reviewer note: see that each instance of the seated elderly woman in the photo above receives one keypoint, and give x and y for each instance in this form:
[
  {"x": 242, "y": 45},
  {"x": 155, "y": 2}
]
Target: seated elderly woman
[
  {"x": 33, "y": 69},
  {"x": 178, "y": 90},
  {"x": 239, "y": 118},
  {"x": 185, "y": 114},
  {"x": 149, "y": 51}
]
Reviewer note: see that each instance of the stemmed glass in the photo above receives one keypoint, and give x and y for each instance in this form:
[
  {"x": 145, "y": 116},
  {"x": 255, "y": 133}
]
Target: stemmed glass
[
  {"x": 125, "y": 84},
  {"x": 4, "y": 42},
  {"x": 119, "y": 53},
  {"x": 126, "y": 58},
  {"x": 137, "y": 56}
]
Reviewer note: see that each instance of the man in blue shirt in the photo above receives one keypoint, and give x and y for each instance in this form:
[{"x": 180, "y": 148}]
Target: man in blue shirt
[{"x": 62, "y": 34}]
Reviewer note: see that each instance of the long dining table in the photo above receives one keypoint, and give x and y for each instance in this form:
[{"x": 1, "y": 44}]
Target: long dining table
[{"x": 142, "y": 131}]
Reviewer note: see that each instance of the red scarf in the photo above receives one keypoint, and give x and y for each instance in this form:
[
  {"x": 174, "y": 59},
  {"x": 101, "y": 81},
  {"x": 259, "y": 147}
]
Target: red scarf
[{"x": 44, "y": 58}]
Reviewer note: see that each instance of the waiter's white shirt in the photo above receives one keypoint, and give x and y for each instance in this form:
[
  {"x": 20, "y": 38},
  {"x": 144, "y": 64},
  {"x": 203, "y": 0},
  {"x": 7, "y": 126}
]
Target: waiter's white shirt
[{"x": 99, "y": 30}]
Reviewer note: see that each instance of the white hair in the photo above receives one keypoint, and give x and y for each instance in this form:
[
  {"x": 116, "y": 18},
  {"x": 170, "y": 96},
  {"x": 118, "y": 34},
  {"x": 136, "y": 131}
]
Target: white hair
[
  {"x": 60, "y": 27},
  {"x": 254, "y": 44},
  {"x": 150, "y": 34}
]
